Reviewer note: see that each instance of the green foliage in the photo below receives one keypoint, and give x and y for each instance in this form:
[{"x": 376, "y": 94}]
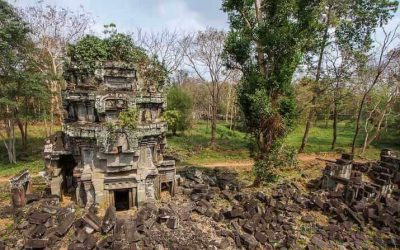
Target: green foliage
[
  {"x": 129, "y": 118},
  {"x": 22, "y": 88},
  {"x": 268, "y": 50},
  {"x": 178, "y": 100},
  {"x": 359, "y": 19},
  {"x": 172, "y": 118},
  {"x": 280, "y": 156},
  {"x": 90, "y": 51}
]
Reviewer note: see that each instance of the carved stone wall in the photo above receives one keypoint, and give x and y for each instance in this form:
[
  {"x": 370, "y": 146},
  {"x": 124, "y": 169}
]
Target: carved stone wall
[{"x": 107, "y": 163}]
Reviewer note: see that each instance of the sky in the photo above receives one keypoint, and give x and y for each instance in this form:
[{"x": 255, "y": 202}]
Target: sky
[
  {"x": 156, "y": 15},
  {"x": 150, "y": 15}
]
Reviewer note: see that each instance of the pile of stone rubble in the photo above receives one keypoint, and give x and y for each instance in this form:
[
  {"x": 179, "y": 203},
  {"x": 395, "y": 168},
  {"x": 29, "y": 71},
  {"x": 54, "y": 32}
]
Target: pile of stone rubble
[{"x": 353, "y": 205}]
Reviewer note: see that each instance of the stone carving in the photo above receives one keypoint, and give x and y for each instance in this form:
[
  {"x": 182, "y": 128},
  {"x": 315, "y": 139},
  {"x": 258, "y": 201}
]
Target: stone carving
[{"x": 102, "y": 162}]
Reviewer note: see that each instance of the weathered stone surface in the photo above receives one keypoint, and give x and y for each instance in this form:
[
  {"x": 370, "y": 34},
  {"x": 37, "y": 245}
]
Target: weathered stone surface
[
  {"x": 35, "y": 244},
  {"x": 109, "y": 219},
  {"x": 93, "y": 221},
  {"x": 38, "y": 218},
  {"x": 66, "y": 224},
  {"x": 116, "y": 165}
]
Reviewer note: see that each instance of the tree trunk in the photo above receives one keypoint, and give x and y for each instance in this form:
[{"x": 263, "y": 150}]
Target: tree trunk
[
  {"x": 357, "y": 130},
  {"x": 9, "y": 141},
  {"x": 334, "y": 126},
  {"x": 368, "y": 141},
  {"x": 317, "y": 78},
  {"x": 308, "y": 126},
  {"x": 214, "y": 111},
  {"x": 23, "y": 128},
  {"x": 260, "y": 52},
  {"x": 213, "y": 124}
]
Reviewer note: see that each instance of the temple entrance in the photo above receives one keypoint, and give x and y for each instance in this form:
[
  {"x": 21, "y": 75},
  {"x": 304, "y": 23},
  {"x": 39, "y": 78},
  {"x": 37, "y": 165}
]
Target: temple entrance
[
  {"x": 121, "y": 199},
  {"x": 67, "y": 164}
]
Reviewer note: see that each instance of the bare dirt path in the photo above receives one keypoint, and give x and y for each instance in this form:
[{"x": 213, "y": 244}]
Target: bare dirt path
[
  {"x": 304, "y": 160},
  {"x": 247, "y": 165}
]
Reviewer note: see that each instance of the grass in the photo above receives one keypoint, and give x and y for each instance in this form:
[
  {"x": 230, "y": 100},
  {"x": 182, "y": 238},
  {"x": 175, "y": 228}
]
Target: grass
[
  {"x": 192, "y": 147},
  {"x": 320, "y": 139},
  {"x": 26, "y": 159}
]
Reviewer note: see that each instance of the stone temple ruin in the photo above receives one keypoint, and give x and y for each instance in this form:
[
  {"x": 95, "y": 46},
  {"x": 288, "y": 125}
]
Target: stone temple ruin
[
  {"x": 97, "y": 160},
  {"x": 357, "y": 181}
]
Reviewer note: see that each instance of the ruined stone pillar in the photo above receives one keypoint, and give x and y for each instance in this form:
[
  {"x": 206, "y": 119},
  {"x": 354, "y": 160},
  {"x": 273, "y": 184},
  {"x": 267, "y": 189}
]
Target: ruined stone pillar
[
  {"x": 18, "y": 197},
  {"x": 89, "y": 194}
]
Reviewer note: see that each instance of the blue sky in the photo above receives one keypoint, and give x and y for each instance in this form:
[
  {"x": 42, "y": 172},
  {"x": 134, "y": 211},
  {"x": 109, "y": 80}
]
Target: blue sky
[{"x": 155, "y": 15}]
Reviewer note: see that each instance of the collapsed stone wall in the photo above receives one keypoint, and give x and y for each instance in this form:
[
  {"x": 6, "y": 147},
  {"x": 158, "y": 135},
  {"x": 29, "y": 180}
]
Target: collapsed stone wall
[{"x": 95, "y": 157}]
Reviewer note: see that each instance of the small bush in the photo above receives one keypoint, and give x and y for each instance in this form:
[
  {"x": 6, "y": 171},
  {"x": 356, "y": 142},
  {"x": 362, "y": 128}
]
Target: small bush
[
  {"x": 171, "y": 117},
  {"x": 279, "y": 157},
  {"x": 179, "y": 101},
  {"x": 129, "y": 118}
]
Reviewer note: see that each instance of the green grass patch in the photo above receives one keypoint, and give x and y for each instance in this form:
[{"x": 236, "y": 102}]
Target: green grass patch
[
  {"x": 26, "y": 159},
  {"x": 192, "y": 146},
  {"x": 320, "y": 139}
]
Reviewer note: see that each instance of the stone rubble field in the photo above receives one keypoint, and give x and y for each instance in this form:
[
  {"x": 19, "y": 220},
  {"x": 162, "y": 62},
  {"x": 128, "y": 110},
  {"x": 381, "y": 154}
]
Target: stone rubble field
[{"x": 214, "y": 210}]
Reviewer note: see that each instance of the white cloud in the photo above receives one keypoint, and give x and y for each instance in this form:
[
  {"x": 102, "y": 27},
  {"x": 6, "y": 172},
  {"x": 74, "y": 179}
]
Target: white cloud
[{"x": 176, "y": 14}]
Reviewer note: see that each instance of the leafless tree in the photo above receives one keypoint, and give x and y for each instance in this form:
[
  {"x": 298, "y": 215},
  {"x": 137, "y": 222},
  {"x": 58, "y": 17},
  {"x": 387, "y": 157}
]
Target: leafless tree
[
  {"x": 340, "y": 71},
  {"x": 389, "y": 87},
  {"x": 53, "y": 28},
  {"x": 203, "y": 52},
  {"x": 167, "y": 46},
  {"x": 379, "y": 64}
]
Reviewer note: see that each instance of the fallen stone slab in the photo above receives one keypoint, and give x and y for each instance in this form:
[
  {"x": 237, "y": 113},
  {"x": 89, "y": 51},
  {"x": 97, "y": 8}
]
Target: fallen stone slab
[
  {"x": 92, "y": 220},
  {"x": 249, "y": 241},
  {"x": 318, "y": 242},
  {"x": 173, "y": 223},
  {"x": 36, "y": 244},
  {"x": 261, "y": 237},
  {"x": 90, "y": 242},
  {"x": 38, "y": 231},
  {"x": 109, "y": 219},
  {"x": 65, "y": 224},
  {"x": 38, "y": 218}
]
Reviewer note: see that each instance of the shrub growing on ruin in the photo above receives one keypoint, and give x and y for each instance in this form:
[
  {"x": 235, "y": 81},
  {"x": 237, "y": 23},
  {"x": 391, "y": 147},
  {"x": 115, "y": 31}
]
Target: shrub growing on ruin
[
  {"x": 129, "y": 118},
  {"x": 178, "y": 100}
]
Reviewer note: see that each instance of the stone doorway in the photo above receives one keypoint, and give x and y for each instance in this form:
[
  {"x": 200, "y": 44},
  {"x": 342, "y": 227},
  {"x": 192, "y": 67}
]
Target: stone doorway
[
  {"x": 68, "y": 163},
  {"x": 121, "y": 199}
]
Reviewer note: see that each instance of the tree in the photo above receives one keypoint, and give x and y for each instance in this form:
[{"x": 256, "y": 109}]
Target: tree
[
  {"x": 350, "y": 24},
  {"x": 373, "y": 72},
  {"x": 180, "y": 107},
  {"x": 91, "y": 50},
  {"x": 20, "y": 86},
  {"x": 172, "y": 117},
  {"x": 204, "y": 53},
  {"x": 166, "y": 46},
  {"x": 340, "y": 71},
  {"x": 267, "y": 41},
  {"x": 53, "y": 28}
]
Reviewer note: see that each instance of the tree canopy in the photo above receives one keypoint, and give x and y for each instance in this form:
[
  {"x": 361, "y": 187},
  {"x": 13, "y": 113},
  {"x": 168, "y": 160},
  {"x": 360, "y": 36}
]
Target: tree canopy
[
  {"x": 267, "y": 41},
  {"x": 91, "y": 50}
]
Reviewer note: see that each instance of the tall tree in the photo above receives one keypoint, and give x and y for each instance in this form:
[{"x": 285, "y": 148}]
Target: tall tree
[
  {"x": 20, "y": 85},
  {"x": 53, "y": 28},
  {"x": 372, "y": 73},
  {"x": 340, "y": 71},
  {"x": 267, "y": 41},
  {"x": 166, "y": 46},
  {"x": 350, "y": 24},
  {"x": 204, "y": 52}
]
